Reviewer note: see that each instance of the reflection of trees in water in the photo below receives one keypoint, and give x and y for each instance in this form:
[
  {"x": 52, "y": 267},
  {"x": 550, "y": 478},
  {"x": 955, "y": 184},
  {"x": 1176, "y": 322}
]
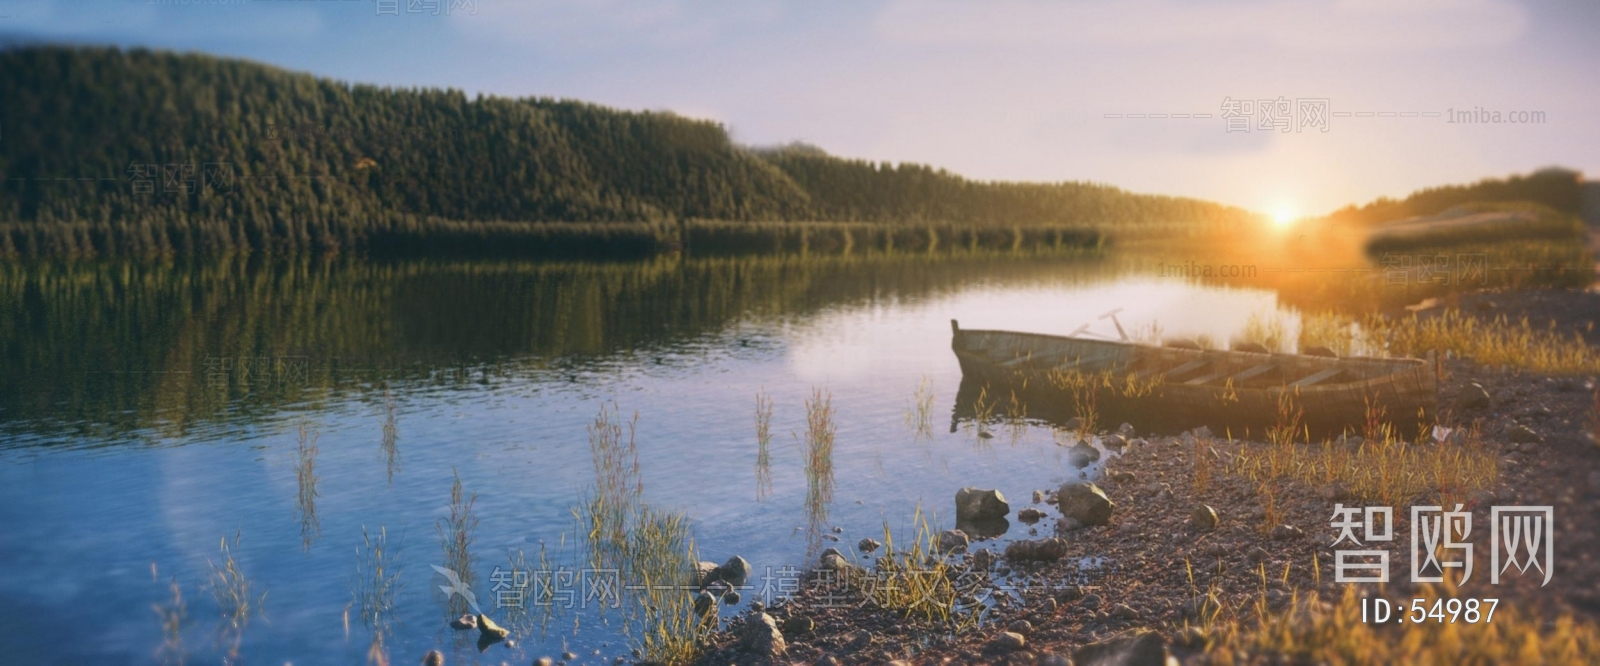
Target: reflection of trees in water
[{"x": 114, "y": 347}]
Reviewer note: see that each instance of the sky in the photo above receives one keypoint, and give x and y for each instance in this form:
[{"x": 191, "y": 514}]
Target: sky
[{"x": 1035, "y": 90}]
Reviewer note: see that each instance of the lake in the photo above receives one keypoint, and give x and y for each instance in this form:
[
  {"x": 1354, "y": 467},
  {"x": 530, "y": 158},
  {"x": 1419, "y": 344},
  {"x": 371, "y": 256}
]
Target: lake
[{"x": 152, "y": 414}]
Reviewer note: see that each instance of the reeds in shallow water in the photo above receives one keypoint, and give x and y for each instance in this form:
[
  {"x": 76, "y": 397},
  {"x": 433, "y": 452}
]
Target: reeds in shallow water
[
  {"x": 818, "y": 450},
  {"x": 391, "y": 438},
  {"x": 919, "y": 417},
  {"x": 456, "y": 535},
  {"x": 377, "y": 579},
  {"x": 763, "y": 445},
  {"x": 173, "y": 615}
]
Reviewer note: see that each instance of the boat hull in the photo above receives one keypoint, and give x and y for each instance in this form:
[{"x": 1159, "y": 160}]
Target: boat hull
[{"x": 1037, "y": 369}]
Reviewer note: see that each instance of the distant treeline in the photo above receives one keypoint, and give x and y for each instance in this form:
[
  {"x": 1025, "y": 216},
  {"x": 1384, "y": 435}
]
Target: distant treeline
[
  {"x": 111, "y": 152},
  {"x": 1558, "y": 188}
]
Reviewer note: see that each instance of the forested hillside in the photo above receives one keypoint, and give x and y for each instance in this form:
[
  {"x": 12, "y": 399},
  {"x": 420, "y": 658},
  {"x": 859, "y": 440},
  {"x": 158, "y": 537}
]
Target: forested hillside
[{"x": 105, "y": 151}]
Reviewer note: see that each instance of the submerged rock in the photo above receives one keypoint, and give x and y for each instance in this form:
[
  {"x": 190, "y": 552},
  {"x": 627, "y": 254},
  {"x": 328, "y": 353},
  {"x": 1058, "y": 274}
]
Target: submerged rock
[
  {"x": 976, "y": 504},
  {"x": 951, "y": 541},
  {"x": 1041, "y": 550},
  {"x": 1084, "y": 502},
  {"x": 1030, "y": 515},
  {"x": 1082, "y": 454}
]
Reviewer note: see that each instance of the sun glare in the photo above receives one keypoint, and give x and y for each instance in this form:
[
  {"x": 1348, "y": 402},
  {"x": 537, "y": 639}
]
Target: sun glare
[{"x": 1282, "y": 217}]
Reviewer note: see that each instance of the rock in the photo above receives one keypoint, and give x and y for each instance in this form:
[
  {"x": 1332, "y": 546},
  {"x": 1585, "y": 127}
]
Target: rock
[
  {"x": 1138, "y": 443},
  {"x": 983, "y": 559},
  {"x": 568, "y": 656},
  {"x": 704, "y": 604},
  {"x": 951, "y": 541},
  {"x": 861, "y": 639},
  {"x": 1082, "y": 455},
  {"x": 1038, "y": 496},
  {"x": 465, "y": 622},
  {"x": 488, "y": 628},
  {"x": 1203, "y": 517},
  {"x": 760, "y": 641},
  {"x": 833, "y": 561},
  {"x": 1285, "y": 532},
  {"x": 1010, "y": 641},
  {"x": 797, "y": 625},
  {"x": 1258, "y": 555},
  {"x": 1141, "y": 647},
  {"x": 984, "y": 434},
  {"x": 1041, "y": 550},
  {"x": 731, "y": 597},
  {"x": 1216, "y": 550},
  {"x": 734, "y": 572},
  {"x": 1122, "y": 476},
  {"x": 1023, "y": 627},
  {"x": 1202, "y": 432},
  {"x": 1124, "y": 612},
  {"x": 1084, "y": 502},
  {"x": 1335, "y": 492},
  {"x": 977, "y": 505},
  {"x": 1067, "y": 524},
  {"x": 1030, "y": 515},
  {"x": 868, "y": 545},
  {"x": 1522, "y": 434},
  {"x": 1089, "y": 602},
  {"x": 1114, "y": 442},
  {"x": 704, "y": 572},
  {"x": 1126, "y": 430},
  {"x": 433, "y": 658},
  {"x": 1073, "y": 424},
  {"x": 1473, "y": 397},
  {"x": 1054, "y": 660},
  {"x": 1318, "y": 350}
]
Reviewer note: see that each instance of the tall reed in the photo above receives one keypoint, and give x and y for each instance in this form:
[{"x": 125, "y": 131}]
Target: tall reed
[
  {"x": 305, "y": 473},
  {"x": 763, "y": 445},
  {"x": 457, "y": 532}
]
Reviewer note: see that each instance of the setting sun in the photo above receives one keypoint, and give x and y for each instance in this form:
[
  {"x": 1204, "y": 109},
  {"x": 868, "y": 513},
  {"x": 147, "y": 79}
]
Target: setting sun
[{"x": 1282, "y": 217}]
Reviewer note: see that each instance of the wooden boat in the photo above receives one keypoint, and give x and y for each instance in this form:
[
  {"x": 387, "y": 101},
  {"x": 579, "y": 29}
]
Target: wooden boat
[{"x": 1189, "y": 387}]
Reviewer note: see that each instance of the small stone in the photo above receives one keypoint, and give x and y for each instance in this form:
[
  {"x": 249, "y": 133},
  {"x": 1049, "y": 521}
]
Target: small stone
[
  {"x": 1030, "y": 515},
  {"x": 731, "y": 597},
  {"x": 1202, "y": 432},
  {"x": 1138, "y": 442},
  {"x": 1082, "y": 454},
  {"x": 465, "y": 622},
  {"x": 1038, "y": 496},
  {"x": 861, "y": 639},
  {"x": 1522, "y": 434},
  {"x": 1023, "y": 627},
  {"x": 704, "y": 604},
  {"x": 1472, "y": 397},
  {"x": 1124, "y": 612},
  {"x": 1335, "y": 492},
  {"x": 952, "y": 541},
  {"x": 978, "y": 505},
  {"x": 1042, "y": 550},
  {"x": 1114, "y": 442},
  {"x": 798, "y": 625},
  {"x": 1085, "y": 502},
  {"x": 761, "y": 639},
  {"x": 1203, "y": 517},
  {"x": 1258, "y": 555},
  {"x": 868, "y": 545},
  {"x": 1139, "y": 648},
  {"x": 1054, "y": 660},
  {"x": 1122, "y": 476},
  {"x": 433, "y": 658},
  {"x": 1090, "y": 601},
  {"x": 489, "y": 629},
  {"x": 568, "y": 656},
  {"x": 1216, "y": 550},
  {"x": 1284, "y": 532},
  {"x": 1010, "y": 641},
  {"x": 1126, "y": 430}
]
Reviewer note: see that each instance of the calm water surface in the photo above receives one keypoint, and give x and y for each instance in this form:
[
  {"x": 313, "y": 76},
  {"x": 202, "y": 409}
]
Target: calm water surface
[{"x": 150, "y": 411}]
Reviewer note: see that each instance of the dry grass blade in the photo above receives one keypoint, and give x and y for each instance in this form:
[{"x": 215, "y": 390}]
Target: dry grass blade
[
  {"x": 456, "y": 535},
  {"x": 305, "y": 472},
  {"x": 763, "y": 445}
]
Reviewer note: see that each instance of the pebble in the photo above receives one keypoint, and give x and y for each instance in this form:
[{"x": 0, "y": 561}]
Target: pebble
[{"x": 1010, "y": 641}]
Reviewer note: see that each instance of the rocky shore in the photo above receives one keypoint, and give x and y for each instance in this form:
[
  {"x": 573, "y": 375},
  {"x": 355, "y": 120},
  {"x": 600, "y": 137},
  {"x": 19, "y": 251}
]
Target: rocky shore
[{"x": 1127, "y": 570}]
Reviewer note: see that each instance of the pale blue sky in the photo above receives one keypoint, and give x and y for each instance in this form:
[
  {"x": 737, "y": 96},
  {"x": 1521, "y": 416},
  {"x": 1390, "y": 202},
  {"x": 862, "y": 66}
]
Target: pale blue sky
[{"x": 1010, "y": 89}]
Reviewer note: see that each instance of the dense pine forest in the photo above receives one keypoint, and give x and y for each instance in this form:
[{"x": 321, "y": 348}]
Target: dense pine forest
[{"x": 132, "y": 152}]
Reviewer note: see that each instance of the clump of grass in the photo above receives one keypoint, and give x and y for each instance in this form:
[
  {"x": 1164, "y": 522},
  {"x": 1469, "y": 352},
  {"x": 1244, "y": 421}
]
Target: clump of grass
[
  {"x": 820, "y": 433},
  {"x": 1335, "y": 634},
  {"x": 650, "y": 550},
  {"x": 173, "y": 615},
  {"x": 377, "y": 579},
  {"x": 1266, "y": 330},
  {"x": 1494, "y": 342},
  {"x": 456, "y": 535},
  {"x": 1017, "y": 415},
  {"x": 391, "y": 438},
  {"x": 235, "y": 599},
  {"x": 919, "y": 417},
  {"x": 913, "y": 581},
  {"x": 763, "y": 445},
  {"x": 1385, "y": 469},
  {"x": 982, "y": 412},
  {"x": 305, "y": 472},
  {"x": 1337, "y": 332}
]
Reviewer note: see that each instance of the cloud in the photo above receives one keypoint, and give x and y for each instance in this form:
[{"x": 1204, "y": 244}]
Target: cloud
[{"x": 1322, "y": 25}]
